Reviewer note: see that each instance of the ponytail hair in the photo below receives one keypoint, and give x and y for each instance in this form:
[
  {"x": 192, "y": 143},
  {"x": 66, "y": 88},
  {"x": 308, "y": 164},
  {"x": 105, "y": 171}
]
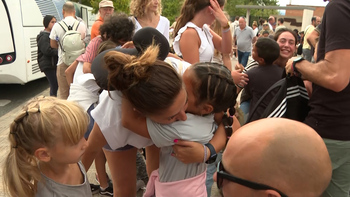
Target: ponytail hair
[
  {"x": 41, "y": 123},
  {"x": 188, "y": 10},
  {"x": 151, "y": 85}
]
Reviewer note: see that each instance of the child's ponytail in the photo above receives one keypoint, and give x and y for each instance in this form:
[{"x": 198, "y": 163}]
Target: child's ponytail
[{"x": 21, "y": 172}]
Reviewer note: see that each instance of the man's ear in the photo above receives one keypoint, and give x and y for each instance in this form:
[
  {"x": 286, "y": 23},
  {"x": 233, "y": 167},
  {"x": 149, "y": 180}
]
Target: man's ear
[
  {"x": 271, "y": 193},
  {"x": 207, "y": 109},
  {"x": 42, "y": 154}
]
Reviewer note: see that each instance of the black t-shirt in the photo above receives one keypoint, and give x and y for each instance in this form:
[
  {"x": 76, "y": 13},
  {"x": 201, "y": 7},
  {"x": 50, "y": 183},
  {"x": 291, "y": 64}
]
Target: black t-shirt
[
  {"x": 330, "y": 111},
  {"x": 261, "y": 78}
]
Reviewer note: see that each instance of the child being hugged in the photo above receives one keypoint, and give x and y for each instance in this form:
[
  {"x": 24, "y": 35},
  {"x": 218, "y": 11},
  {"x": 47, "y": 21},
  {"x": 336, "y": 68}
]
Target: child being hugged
[
  {"x": 47, "y": 142},
  {"x": 210, "y": 90}
]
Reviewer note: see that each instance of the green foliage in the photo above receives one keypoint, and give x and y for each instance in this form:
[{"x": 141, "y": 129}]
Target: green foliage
[
  {"x": 171, "y": 9},
  {"x": 230, "y": 7},
  {"x": 119, "y": 5}
]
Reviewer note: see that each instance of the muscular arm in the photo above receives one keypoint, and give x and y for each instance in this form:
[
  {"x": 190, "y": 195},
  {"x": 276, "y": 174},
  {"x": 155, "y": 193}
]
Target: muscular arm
[{"x": 332, "y": 73}]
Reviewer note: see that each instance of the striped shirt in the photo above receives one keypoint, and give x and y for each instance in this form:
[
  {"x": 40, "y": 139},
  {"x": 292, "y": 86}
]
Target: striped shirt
[{"x": 91, "y": 50}]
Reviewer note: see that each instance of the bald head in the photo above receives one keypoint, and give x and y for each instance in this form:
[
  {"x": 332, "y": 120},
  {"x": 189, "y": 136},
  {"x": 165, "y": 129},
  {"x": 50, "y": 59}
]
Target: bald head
[
  {"x": 242, "y": 22},
  {"x": 68, "y": 9},
  {"x": 284, "y": 154}
]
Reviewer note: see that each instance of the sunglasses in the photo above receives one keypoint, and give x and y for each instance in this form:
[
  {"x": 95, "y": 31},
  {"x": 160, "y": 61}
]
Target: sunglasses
[{"x": 222, "y": 174}]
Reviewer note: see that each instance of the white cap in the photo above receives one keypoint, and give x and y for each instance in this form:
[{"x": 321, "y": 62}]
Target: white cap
[{"x": 106, "y": 3}]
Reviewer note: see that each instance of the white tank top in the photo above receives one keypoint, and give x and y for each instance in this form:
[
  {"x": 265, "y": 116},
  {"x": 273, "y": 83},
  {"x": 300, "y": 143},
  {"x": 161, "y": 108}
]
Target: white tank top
[{"x": 206, "y": 49}]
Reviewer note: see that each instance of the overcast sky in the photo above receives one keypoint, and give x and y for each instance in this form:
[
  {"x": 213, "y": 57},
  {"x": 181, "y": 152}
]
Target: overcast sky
[{"x": 303, "y": 2}]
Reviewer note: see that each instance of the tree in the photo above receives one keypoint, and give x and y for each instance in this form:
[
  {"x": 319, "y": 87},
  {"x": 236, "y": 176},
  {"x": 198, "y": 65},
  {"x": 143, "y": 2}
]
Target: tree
[
  {"x": 119, "y": 5},
  {"x": 230, "y": 7},
  {"x": 171, "y": 9}
]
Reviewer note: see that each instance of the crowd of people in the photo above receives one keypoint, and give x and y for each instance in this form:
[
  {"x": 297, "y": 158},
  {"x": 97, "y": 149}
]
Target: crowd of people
[{"x": 198, "y": 118}]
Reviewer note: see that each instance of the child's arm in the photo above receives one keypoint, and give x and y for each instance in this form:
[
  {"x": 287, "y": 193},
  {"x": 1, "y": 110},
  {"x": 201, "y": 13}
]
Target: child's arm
[
  {"x": 70, "y": 72},
  {"x": 193, "y": 152},
  {"x": 132, "y": 120}
]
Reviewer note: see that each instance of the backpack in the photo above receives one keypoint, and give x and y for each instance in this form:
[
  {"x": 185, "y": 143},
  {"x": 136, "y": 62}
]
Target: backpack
[
  {"x": 290, "y": 100},
  {"x": 71, "y": 43}
]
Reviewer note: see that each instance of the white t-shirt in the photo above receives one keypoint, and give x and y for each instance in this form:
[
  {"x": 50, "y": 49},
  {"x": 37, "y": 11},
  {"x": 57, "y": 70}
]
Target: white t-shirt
[
  {"x": 84, "y": 89},
  {"x": 163, "y": 26},
  {"x": 107, "y": 115},
  {"x": 206, "y": 49},
  {"x": 57, "y": 33},
  {"x": 195, "y": 128}
]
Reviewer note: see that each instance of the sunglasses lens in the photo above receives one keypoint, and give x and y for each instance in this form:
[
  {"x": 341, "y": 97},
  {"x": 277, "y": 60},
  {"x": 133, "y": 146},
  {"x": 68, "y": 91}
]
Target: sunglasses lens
[{"x": 219, "y": 178}]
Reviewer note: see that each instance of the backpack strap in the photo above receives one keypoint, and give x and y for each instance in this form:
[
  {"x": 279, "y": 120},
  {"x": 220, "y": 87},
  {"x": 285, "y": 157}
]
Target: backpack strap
[
  {"x": 65, "y": 29},
  {"x": 64, "y": 25},
  {"x": 76, "y": 25}
]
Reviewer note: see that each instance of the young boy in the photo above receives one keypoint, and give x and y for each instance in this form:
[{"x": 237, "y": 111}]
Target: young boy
[{"x": 262, "y": 77}]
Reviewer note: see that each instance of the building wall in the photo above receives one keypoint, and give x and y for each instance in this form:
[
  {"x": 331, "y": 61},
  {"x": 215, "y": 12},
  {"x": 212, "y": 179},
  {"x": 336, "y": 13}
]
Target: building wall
[{"x": 318, "y": 12}]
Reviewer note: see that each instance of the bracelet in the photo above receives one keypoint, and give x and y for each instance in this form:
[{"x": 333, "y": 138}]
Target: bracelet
[
  {"x": 226, "y": 30},
  {"x": 239, "y": 86},
  {"x": 205, "y": 153}
]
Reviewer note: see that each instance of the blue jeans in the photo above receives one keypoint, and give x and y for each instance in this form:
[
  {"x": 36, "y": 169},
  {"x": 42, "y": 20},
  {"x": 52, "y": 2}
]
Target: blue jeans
[
  {"x": 52, "y": 78},
  {"x": 211, "y": 169},
  {"x": 307, "y": 54},
  {"x": 243, "y": 57},
  {"x": 245, "y": 108}
]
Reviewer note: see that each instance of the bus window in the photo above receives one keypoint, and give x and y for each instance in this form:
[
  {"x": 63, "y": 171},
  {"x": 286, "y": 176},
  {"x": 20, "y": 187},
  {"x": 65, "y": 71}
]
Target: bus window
[{"x": 7, "y": 48}]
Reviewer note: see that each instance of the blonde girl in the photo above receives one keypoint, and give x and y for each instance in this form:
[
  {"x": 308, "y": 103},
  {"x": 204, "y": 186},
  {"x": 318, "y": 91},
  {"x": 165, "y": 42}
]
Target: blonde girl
[
  {"x": 147, "y": 13},
  {"x": 46, "y": 144}
]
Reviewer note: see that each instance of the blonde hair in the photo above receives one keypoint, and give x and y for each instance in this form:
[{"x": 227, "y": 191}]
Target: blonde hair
[
  {"x": 138, "y": 7},
  {"x": 41, "y": 123}
]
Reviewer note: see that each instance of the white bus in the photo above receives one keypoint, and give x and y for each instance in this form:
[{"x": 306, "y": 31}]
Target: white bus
[{"x": 20, "y": 22}]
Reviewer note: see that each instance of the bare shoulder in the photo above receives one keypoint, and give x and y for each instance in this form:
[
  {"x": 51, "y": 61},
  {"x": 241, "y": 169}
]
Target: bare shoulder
[{"x": 190, "y": 35}]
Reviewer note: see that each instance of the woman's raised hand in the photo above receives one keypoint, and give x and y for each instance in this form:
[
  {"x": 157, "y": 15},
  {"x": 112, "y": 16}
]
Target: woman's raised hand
[{"x": 218, "y": 13}]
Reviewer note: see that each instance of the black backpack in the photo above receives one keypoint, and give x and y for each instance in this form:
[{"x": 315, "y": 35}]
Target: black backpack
[{"x": 290, "y": 100}]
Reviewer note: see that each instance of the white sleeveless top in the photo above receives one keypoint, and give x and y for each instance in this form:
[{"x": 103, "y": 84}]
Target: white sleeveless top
[{"x": 206, "y": 49}]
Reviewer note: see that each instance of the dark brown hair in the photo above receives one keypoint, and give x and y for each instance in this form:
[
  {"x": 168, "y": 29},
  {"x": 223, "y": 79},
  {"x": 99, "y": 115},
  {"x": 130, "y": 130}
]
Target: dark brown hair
[
  {"x": 151, "y": 85},
  {"x": 188, "y": 10},
  {"x": 213, "y": 84}
]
